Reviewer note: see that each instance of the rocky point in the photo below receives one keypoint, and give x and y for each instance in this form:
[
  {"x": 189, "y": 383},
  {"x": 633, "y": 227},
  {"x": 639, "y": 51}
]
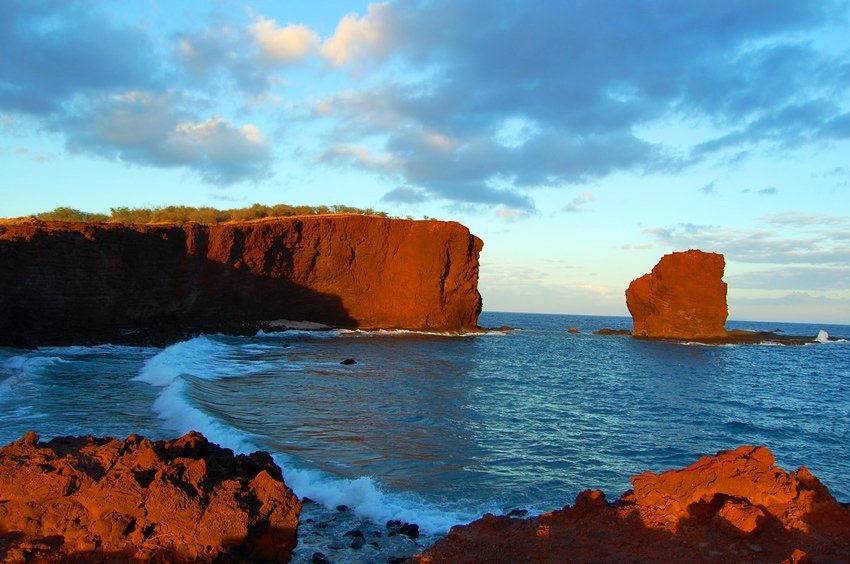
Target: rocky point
[
  {"x": 737, "y": 506},
  {"x": 87, "y": 283},
  {"x": 105, "y": 499}
]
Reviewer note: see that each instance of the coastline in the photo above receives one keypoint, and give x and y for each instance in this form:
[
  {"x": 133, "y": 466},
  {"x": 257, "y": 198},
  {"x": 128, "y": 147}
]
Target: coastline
[{"x": 735, "y": 504}]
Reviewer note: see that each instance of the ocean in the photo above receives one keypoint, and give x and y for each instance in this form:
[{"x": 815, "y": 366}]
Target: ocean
[{"x": 435, "y": 429}]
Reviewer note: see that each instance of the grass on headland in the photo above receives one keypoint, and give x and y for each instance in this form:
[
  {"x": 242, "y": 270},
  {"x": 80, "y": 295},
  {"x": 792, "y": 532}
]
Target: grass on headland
[{"x": 204, "y": 215}]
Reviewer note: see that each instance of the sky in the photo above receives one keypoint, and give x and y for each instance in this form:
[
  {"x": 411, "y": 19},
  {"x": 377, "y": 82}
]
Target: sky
[{"x": 580, "y": 140}]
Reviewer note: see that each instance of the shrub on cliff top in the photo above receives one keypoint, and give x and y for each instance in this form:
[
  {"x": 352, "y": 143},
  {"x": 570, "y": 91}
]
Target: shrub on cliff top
[{"x": 205, "y": 215}]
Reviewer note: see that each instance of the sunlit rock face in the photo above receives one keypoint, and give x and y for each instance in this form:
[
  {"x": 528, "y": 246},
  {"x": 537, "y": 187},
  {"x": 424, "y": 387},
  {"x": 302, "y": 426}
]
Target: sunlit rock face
[
  {"x": 184, "y": 500},
  {"x": 684, "y": 297},
  {"x": 77, "y": 283},
  {"x": 736, "y": 506}
]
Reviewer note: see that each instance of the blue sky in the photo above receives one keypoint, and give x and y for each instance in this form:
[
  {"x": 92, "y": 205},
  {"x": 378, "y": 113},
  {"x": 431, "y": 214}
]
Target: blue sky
[{"x": 580, "y": 140}]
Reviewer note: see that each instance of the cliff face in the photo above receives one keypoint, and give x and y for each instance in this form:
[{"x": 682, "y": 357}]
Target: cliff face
[
  {"x": 736, "y": 506},
  {"x": 77, "y": 282},
  {"x": 108, "y": 500},
  {"x": 684, "y": 297}
]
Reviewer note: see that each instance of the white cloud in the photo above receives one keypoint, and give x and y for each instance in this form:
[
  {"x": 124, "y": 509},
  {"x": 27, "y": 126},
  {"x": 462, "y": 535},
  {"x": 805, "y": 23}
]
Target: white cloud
[
  {"x": 288, "y": 44},
  {"x": 578, "y": 203},
  {"x": 139, "y": 127},
  {"x": 355, "y": 37},
  {"x": 511, "y": 214},
  {"x": 359, "y": 156}
]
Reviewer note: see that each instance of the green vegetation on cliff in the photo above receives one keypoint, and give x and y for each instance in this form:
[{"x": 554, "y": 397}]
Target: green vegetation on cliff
[{"x": 205, "y": 215}]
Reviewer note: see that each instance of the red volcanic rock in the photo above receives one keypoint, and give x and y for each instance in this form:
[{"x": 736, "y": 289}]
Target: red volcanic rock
[
  {"x": 106, "y": 499},
  {"x": 86, "y": 282},
  {"x": 732, "y": 507},
  {"x": 684, "y": 297}
]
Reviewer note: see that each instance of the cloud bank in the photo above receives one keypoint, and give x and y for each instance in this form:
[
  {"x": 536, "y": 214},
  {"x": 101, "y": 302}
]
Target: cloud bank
[{"x": 475, "y": 103}]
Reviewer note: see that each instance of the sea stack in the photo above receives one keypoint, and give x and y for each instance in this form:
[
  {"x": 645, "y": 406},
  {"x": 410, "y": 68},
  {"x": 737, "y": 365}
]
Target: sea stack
[
  {"x": 684, "y": 297},
  {"x": 84, "y": 283}
]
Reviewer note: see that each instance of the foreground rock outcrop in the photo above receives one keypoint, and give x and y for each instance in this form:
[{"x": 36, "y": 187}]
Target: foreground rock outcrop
[
  {"x": 684, "y": 297},
  {"x": 106, "y": 499},
  {"x": 77, "y": 283},
  {"x": 734, "y": 507}
]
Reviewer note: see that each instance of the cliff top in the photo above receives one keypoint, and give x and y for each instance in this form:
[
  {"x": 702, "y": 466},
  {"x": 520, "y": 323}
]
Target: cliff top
[{"x": 188, "y": 214}]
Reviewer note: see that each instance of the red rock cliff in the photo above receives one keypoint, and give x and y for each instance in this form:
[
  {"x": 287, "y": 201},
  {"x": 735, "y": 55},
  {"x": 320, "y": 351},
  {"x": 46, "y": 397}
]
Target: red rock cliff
[
  {"x": 737, "y": 506},
  {"x": 87, "y": 499},
  {"x": 78, "y": 282},
  {"x": 684, "y": 297}
]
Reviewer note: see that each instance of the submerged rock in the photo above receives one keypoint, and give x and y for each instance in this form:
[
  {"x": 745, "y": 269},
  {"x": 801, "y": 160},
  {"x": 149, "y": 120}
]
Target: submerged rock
[
  {"x": 735, "y": 506},
  {"x": 186, "y": 499},
  {"x": 348, "y": 361}
]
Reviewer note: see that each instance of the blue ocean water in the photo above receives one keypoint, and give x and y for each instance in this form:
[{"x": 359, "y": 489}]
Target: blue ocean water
[{"x": 437, "y": 429}]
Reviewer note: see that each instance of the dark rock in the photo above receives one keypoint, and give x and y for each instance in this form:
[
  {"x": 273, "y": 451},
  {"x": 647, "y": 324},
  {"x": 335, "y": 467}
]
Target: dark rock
[
  {"x": 398, "y": 528},
  {"x": 354, "y": 533},
  {"x": 518, "y": 513},
  {"x": 348, "y": 361},
  {"x": 343, "y": 508},
  {"x": 306, "y": 499},
  {"x": 612, "y": 332},
  {"x": 320, "y": 558},
  {"x": 396, "y": 559},
  {"x": 409, "y": 529},
  {"x": 357, "y": 543}
]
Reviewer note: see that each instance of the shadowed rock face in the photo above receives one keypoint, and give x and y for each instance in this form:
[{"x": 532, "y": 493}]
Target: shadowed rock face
[
  {"x": 684, "y": 297},
  {"x": 732, "y": 507},
  {"x": 64, "y": 283},
  {"x": 106, "y": 499}
]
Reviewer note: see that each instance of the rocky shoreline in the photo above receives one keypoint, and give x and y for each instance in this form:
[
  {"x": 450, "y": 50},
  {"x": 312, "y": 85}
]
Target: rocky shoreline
[{"x": 104, "y": 499}]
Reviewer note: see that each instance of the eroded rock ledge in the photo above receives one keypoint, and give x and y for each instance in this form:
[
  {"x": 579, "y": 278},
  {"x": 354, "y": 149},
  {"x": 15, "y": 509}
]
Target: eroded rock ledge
[
  {"x": 105, "y": 499},
  {"x": 84, "y": 283},
  {"x": 733, "y": 507}
]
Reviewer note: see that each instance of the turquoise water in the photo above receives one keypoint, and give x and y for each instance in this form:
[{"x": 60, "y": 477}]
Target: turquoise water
[{"x": 438, "y": 429}]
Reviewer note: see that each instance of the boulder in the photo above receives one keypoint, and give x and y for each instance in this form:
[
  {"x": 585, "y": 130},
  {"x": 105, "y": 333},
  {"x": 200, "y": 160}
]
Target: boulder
[{"x": 105, "y": 499}]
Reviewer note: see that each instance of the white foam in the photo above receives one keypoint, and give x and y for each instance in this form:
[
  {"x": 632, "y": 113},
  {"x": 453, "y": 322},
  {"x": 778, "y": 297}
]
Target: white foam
[
  {"x": 203, "y": 357},
  {"x": 368, "y": 500},
  {"x": 178, "y": 414},
  {"x": 404, "y": 332},
  {"x": 312, "y": 333},
  {"x": 77, "y": 350},
  {"x": 822, "y": 337}
]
